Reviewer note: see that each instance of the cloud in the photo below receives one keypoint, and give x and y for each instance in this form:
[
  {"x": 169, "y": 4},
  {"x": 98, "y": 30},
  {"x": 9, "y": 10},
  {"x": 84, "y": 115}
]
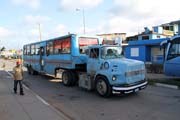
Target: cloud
[
  {"x": 131, "y": 16},
  {"x": 30, "y": 19},
  {"x": 73, "y": 4},
  {"x": 8, "y": 38},
  {"x": 61, "y": 29},
  {"x": 143, "y": 9},
  {"x": 4, "y": 32},
  {"x": 35, "y": 4}
]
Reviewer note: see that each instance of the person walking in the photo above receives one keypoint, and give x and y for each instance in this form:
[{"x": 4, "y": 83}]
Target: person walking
[{"x": 18, "y": 77}]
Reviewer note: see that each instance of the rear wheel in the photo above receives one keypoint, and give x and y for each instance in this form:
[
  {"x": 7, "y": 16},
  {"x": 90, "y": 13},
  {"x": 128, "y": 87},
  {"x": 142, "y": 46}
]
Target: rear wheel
[
  {"x": 67, "y": 78},
  {"x": 32, "y": 71},
  {"x": 102, "y": 87},
  {"x": 28, "y": 69}
]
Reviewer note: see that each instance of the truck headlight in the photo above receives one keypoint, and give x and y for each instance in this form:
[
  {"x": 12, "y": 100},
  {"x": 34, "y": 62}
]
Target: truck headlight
[
  {"x": 106, "y": 65},
  {"x": 114, "y": 78}
]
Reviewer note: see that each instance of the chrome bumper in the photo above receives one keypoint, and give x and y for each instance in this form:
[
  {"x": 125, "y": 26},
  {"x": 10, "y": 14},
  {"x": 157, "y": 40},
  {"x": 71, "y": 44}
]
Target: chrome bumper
[{"x": 126, "y": 90}]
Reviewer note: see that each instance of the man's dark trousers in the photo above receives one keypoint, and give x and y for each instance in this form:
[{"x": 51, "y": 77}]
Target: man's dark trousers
[{"x": 16, "y": 82}]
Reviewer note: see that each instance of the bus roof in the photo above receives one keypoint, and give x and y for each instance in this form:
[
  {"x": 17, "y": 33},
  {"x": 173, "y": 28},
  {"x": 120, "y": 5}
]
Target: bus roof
[
  {"x": 173, "y": 39},
  {"x": 61, "y": 37}
]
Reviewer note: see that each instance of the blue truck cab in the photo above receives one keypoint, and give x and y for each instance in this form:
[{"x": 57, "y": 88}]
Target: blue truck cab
[{"x": 109, "y": 72}]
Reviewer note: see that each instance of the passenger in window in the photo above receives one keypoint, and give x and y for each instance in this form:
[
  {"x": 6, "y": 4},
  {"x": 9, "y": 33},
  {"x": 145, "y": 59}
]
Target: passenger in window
[{"x": 110, "y": 52}]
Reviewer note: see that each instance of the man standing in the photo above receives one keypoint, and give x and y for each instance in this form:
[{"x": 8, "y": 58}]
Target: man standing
[{"x": 18, "y": 77}]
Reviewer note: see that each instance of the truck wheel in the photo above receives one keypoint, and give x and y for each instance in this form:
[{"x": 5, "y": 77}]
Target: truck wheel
[
  {"x": 67, "y": 78},
  {"x": 102, "y": 87}
]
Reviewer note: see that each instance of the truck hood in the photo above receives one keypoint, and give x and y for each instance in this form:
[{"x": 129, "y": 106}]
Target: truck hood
[{"x": 126, "y": 65}]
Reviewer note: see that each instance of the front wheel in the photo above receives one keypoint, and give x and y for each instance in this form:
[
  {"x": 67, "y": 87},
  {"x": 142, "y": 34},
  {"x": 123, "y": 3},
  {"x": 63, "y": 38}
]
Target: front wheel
[
  {"x": 67, "y": 78},
  {"x": 102, "y": 87}
]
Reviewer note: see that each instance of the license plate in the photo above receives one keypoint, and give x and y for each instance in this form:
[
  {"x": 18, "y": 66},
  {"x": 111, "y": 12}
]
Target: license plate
[{"x": 136, "y": 90}]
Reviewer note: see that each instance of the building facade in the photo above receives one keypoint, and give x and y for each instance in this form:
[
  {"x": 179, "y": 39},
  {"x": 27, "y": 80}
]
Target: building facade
[
  {"x": 113, "y": 36},
  {"x": 166, "y": 30}
]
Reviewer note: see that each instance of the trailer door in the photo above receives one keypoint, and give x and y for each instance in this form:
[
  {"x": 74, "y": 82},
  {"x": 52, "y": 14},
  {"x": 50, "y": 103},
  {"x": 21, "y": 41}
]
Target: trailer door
[{"x": 41, "y": 60}]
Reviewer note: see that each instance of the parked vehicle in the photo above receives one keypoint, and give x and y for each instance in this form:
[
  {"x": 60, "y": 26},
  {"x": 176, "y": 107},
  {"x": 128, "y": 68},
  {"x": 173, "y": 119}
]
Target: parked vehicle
[
  {"x": 172, "y": 56},
  {"x": 83, "y": 60}
]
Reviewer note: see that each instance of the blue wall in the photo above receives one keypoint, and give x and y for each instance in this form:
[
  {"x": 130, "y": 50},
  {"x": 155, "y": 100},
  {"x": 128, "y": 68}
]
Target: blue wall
[
  {"x": 142, "y": 55},
  {"x": 144, "y": 47}
]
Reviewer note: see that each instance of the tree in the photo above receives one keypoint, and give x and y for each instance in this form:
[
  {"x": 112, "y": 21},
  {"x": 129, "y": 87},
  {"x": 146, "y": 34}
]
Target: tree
[{"x": 3, "y": 49}]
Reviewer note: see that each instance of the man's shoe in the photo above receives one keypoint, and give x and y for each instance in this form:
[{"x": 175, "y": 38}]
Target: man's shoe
[
  {"x": 15, "y": 92},
  {"x": 21, "y": 93}
]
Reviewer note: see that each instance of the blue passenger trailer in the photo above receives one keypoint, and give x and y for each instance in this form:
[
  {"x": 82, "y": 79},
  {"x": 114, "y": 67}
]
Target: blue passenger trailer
[{"x": 83, "y": 59}]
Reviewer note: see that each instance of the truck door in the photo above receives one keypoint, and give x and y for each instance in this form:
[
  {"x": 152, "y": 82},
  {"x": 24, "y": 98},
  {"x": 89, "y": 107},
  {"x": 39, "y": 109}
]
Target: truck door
[
  {"x": 93, "y": 63},
  {"x": 41, "y": 60}
]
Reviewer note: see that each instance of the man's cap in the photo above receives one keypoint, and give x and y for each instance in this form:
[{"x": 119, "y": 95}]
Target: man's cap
[{"x": 18, "y": 63}]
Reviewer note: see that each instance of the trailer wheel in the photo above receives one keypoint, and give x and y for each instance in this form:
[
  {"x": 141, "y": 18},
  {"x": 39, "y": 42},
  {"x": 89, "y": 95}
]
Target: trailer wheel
[
  {"x": 28, "y": 69},
  {"x": 102, "y": 87},
  {"x": 67, "y": 78},
  {"x": 31, "y": 71}
]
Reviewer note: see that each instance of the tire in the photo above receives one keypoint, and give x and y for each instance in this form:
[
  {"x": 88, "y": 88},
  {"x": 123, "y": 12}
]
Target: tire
[
  {"x": 32, "y": 71},
  {"x": 67, "y": 78},
  {"x": 28, "y": 69},
  {"x": 102, "y": 87}
]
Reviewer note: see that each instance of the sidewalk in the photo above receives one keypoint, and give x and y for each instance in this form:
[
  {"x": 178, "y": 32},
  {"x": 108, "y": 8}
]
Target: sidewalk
[
  {"x": 153, "y": 76},
  {"x": 27, "y": 107}
]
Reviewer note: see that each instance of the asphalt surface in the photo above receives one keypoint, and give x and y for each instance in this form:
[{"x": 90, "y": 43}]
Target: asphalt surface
[{"x": 155, "y": 103}]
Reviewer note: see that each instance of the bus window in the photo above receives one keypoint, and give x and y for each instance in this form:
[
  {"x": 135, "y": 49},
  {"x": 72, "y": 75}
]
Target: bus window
[
  {"x": 57, "y": 47},
  {"x": 28, "y": 49},
  {"x": 84, "y": 42},
  {"x": 25, "y": 50},
  {"x": 62, "y": 46},
  {"x": 37, "y": 49},
  {"x": 32, "y": 49},
  {"x": 49, "y": 50}
]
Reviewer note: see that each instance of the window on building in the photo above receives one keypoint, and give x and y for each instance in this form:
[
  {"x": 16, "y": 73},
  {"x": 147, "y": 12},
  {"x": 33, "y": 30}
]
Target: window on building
[
  {"x": 145, "y": 37},
  {"x": 158, "y": 36}
]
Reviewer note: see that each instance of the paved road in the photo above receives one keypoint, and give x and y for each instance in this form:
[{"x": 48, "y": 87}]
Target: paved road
[{"x": 153, "y": 103}]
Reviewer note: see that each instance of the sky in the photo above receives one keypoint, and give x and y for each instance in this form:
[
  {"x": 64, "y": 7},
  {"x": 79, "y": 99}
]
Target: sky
[{"x": 20, "y": 19}]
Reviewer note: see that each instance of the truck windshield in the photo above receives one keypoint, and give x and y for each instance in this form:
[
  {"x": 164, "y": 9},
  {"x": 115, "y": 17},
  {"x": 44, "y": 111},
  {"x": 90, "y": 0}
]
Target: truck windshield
[
  {"x": 111, "y": 52},
  {"x": 174, "y": 51}
]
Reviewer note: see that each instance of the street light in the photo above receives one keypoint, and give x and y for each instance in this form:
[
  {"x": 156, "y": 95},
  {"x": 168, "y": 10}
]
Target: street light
[{"x": 78, "y": 9}]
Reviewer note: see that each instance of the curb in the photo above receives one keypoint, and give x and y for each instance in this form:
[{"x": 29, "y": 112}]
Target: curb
[
  {"x": 60, "y": 113},
  {"x": 167, "y": 86}
]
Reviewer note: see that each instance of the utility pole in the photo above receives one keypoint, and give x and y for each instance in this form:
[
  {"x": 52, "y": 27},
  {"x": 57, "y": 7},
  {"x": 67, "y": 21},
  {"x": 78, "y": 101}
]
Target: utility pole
[
  {"x": 84, "y": 22},
  {"x": 39, "y": 26}
]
